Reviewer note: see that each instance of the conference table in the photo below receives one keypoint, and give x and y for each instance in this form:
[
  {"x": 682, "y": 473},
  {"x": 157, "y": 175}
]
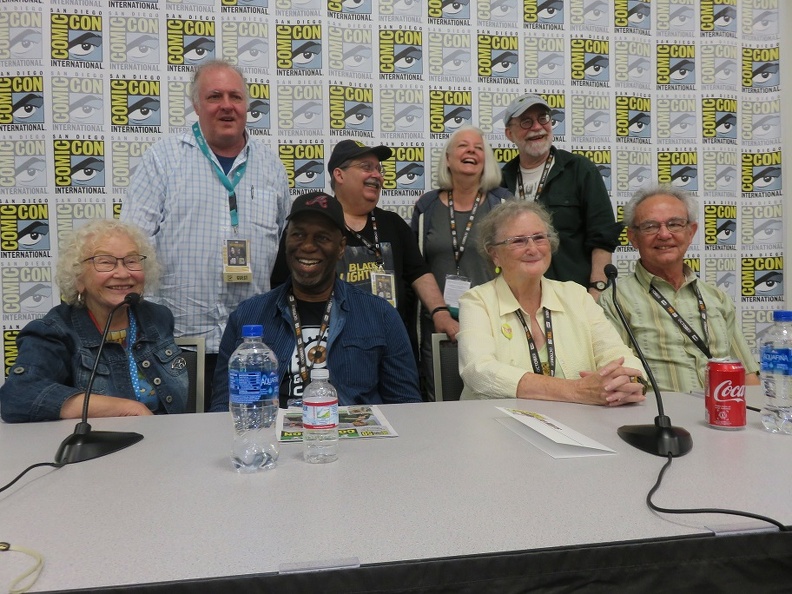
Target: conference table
[{"x": 459, "y": 502}]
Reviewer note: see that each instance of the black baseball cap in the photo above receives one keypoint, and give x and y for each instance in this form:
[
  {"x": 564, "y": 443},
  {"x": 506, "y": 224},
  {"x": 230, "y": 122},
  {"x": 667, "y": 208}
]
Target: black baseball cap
[
  {"x": 321, "y": 203},
  {"x": 351, "y": 149}
]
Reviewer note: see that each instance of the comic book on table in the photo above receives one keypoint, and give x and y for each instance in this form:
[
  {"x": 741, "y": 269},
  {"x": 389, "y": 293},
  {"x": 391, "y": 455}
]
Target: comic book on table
[{"x": 354, "y": 422}]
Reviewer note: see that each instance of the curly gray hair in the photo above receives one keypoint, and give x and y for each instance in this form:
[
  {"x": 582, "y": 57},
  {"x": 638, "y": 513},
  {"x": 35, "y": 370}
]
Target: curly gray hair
[
  {"x": 508, "y": 211},
  {"x": 82, "y": 242}
]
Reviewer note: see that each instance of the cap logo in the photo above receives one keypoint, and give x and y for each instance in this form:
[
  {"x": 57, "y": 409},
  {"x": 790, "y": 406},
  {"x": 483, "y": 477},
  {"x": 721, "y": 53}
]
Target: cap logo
[{"x": 321, "y": 201}]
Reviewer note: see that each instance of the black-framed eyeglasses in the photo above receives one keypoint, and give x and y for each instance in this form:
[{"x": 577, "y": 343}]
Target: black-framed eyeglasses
[
  {"x": 368, "y": 167},
  {"x": 653, "y": 227},
  {"x": 107, "y": 263},
  {"x": 528, "y": 122},
  {"x": 521, "y": 241}
]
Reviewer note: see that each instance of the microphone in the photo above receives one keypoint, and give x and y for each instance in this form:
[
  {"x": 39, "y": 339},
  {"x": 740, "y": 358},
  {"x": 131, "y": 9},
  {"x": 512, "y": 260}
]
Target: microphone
[
  {"x": 85, "y": 444},
  {"x": 661, "y": 438}
]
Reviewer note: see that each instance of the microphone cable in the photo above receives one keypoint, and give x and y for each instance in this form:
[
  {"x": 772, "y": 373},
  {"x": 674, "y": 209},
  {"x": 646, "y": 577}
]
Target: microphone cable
[
  {"x": 55, "y": 465},
  {"x": 703, "y": 510}
]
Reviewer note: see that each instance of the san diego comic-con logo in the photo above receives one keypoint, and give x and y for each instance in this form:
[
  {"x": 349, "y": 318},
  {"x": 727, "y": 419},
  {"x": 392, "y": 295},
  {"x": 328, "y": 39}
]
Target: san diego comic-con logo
[
  {"x": 443, "y": 12},
  {"x": 300, "y": 109},
  {"x": 356, "y": 10},
  {"x": 544, "y": 60},
  {"x": 449, "y": 57},
  {"x": 756, "y": 323},
  {"x": 134, "y": 40},
  {"x": 404, "y": 172},
  {"x": 589, "y": 15},
  {"x": 351, "y": 110},
  {"x": 590, "y": 116},
  {"x": 181, "y": 112},
  {"x": 761, "y": 122},
  {"x": 20, "y": 36},
  {"x": 135, "y": 105},
  {"x": 23, "y": 166},
  {"x": 632, "y": 16},
  {"x": 676, "y": 66},
  {"x": 601, "y": 158},
  {"x": 401, "y": 112},
  {"x": 258, "y": 118},
  {"x": 24, "y": 230},
  {"x": 719, "y": 120},
  {"x": 76, "y": 40},
  {"x": 79, "y": 165},
  {"x": 127, "y": 156},
  {"x": 721, "y": 173},
  {"x": 675, "y": 17},
  {"x": 21, "y": 103},
  {"x": 449, "y": 110},
  {"x": 762, "y": 225},
  {"x": 72, "y": 215},
  {"x": 543, "y": 14},
  {"x": 77, "y": 102},
  {"x": 760, "y": 69},
  {"x": 678, "y": 169},
  {"x": 400, "y": 54},
  {"x": 759, "y": 18},
  {"x": 190, "y": 42},
  {"x": 498, "y": 13},
  {"x": 557, "y": 104},
  {"x": 632, "y": 60},
  {"x": 719, "y": 67},
  {"x": 624, "y": 243},
  {"x": 305, "y": 167},
  {"x": 299, "y": 49},
  {"x": 762, "y": 278},
  {"x": 633, "y": 171},
  {"x": 590, "y": 62},
  {"x": 27, "y": 291},
  {"x": 633, "y": 118},
  {"x": 349, "y": 52},
  {"x": 403, "y": 11},
  {"x": 720, "y": 226},
  {"x": 245, "y": 6},
  {"x": 505, "y": 154},
  {"x": 498, "y": 58},
  {"x": 718, "y": 18},
  {"x": 761, "y": 173},
  {"x": 10, "y": 351},
  {"x": 676, "y": 120},
  {"x": 492, "y": 107},
  {"x": 722, "y": 273},
  {"x": 246, "y": 44}
]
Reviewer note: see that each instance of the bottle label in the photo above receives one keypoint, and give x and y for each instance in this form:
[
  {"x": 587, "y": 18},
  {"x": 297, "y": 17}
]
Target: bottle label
[
  {"x": 244, "y": 386},
  {"x": 320, "y": 413},
  {"x": 777, "y": 361},
  {"x": 270, "y": 385}
]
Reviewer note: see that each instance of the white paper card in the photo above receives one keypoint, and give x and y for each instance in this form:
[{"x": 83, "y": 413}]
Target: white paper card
[{"x": 550, "y": 436}]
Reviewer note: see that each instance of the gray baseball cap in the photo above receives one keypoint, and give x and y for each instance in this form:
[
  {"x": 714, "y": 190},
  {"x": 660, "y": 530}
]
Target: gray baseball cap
[{"x": 522, "y": 104}]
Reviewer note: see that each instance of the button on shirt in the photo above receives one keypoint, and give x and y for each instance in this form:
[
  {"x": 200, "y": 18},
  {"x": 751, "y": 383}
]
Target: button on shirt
[{"x": 178, "y": 200}]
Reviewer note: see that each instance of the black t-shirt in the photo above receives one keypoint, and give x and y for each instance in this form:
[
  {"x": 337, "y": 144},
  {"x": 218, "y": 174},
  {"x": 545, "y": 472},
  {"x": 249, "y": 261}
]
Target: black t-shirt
[{"x": 311, "y": 313}]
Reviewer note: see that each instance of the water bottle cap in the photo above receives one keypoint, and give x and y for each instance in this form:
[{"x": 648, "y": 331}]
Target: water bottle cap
[
  {"x": 320, "y": 374},
  {"x": 252, "y": 331},
  {"x": 781, "y": 315}
]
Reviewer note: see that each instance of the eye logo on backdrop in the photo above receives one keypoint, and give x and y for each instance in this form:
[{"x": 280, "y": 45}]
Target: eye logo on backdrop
[
  {"x": 127, "y": 155},
  {"x": 181, "y": 113},
  {"x": 760, "y": 69},
  {"x": 759, "y": 19},
  {"x": 443, "y": 12},
  {"x": 73, "y": 215},
  {"x": 762, "y": 226},
  {"x": 245, "y": 6},
  {"x": 557, "y": 104},
  {"x": 134, "y": 40},
  {"x": 676, "y": 17},
  {"x": 349, "y": 52},
  {"x": 719, "y": 120},
  {"x": 191, "y": 42},
  {"x": 299, "y": 49},
  {"x": 591, "y": 117},
  {"x": 258, "y": 118},
  {"x": 498, "y": 59},
  {"x": 21, "y": 103},
  {"x": 756, "y": 323},
  {"x": 720, "y": 226},
  {"x": 76, "y": 40},
  {"x": 135, "y": 105},
  {"x": 633, "y": 171},
  {"x": 400, "y": 54},
  {"x": 721, "y": 173},
  {"x": 351, "y": 111},
  {"x": 762, "y": 278},
  {"x": 23, "y": 166},
  {"x": 358, "y": 9},
  {"x": 722, "y": 273},
  {"x": 544, "y": 60},
  {"x": 491, "y": 108},
  {"x": 304, "y": 165},
  {"x": 676, "y": 66},
  {"x": 27, "y": 291},
  {"x": 589, "y": 15},
  {"x": 402, "y": 11},
  {"x": 543, "y": 14},
  {"x": 632, "y": 64},
  {"x": 498, "y": 13},
  {"x": 25, "y": 230},
  {"x": 404, "y": 172},
  {"x": 678, "y": 169},
  {"x": 401, "y": 112},
  {"x": 718, "y": 18},
  {"x": 633, "y": 118},
  {"x": 246, "y": 44},
  {"x": 449, "y": 57},
  {"x": 300, "y": 109},
  {"x": 602, "y": 159},
  {"x": 77, "y": 102},
  {"x": 79, "y": 165},
  {"x": 761, "y": 173},
  {"x": 632, "y": 16},
  {"x": 20, "y": 37},
  {"x": 449, "y": 110},
  {"x": 676, "y": 120},
  {"x": 590, "y": 62},
  {"x": 761, "y": 122}
]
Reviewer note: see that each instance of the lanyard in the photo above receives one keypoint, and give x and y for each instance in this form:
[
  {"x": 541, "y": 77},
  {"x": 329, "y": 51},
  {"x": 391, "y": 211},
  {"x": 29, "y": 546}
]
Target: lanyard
[
  {"x": 229, "y": 184},
  {"x": 318, "y": 351},
  {"x": 686, "y": 328},
  {"x": 459, "y": 247},
  {"x": 133, "y": 370},
  {"x": 542, "y": 180},
  {"x": 539, "y": 367},
  {"x": 373, "y": 247}
]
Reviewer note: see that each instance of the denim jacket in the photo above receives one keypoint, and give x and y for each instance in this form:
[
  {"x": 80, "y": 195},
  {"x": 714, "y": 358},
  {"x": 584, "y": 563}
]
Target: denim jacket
[{"x": 57, "y": 352}]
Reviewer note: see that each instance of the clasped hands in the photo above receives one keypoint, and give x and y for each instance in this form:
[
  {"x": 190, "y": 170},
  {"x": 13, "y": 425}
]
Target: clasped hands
[{"x": 611, "y": 385}]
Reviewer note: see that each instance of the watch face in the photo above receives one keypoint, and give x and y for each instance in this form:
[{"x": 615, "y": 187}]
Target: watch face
[{"x": 599, "y": 285}]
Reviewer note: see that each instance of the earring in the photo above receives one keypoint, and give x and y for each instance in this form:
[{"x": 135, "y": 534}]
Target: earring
[
  {"x": 497, "y": 270},
  {"x": 80, "y": 300}
]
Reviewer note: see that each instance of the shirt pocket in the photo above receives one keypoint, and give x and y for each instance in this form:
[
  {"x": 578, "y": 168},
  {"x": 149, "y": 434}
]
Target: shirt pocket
[
  {"x": 361, "y": 358},
  {"x": 83, "y": 369}
]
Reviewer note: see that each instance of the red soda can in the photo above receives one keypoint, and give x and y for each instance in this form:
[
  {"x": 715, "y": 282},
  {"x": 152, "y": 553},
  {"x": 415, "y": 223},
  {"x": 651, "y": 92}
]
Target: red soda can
[{"x": 724, "y": 394}]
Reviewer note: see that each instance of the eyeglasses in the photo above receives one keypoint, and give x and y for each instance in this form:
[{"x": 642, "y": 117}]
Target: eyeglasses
[
  {"x": 368, "y": 167},
  {"x": 105, "y": 263},
  {"x": 653, "y": 227},
  {"x": 521, "y": 242},
  {"x": 527, "y": 123}
]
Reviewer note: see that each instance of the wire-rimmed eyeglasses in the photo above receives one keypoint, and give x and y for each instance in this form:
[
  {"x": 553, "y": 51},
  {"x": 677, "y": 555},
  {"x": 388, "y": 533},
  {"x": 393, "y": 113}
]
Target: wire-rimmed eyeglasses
[
  {"x": 653, "y": 227},
  {"x": 528, "y": 122},
  {"x": 522, "y": 241},
  {"x": 107, "y": 263}
]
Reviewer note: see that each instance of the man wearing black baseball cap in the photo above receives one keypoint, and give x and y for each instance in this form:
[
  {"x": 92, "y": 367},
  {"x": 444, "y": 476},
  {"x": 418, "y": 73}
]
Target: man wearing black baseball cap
[
  {"x": 569, "y": 186},
  {"x": 316, "y": 320}
]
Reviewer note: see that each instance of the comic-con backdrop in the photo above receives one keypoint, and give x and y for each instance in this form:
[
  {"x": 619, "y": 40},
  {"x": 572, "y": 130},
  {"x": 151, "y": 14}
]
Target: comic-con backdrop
[{"x": 681, "y": 91}]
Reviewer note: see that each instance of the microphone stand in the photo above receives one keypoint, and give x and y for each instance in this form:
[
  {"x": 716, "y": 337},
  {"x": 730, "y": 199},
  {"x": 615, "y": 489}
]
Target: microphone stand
[
  {"x": 661, "y": 438},
  {"x": 85, "y": 444}
]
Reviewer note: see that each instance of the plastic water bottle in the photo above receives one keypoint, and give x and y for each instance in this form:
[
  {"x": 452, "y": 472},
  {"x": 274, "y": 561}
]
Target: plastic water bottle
[
  {"x": 320, "y": 419},
  {"x": 776, "y": 360},
  {"x": 253, "y": 400}
]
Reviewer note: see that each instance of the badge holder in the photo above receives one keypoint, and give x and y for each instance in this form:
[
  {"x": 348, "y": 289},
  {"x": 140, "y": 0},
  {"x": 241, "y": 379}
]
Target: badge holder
[
  {"x": 236, "y": 261},
  {"x": 383, "y": 284},
  {"x": 455, "y": 286}
]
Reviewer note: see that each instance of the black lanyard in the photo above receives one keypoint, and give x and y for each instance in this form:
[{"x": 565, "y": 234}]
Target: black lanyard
[
  {"x": 686, "y": 328},
  {"x": 539, "y": 367},
  {"x": 318, "y": 352},
  {"x": 459, "y": 247},
  {"x": 542, "y": 180},
  {"x": 373, "y": 247}
]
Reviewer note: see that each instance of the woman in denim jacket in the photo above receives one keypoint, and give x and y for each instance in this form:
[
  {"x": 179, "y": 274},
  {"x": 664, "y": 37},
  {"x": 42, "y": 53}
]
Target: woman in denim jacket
[{"x": 141, "y": 370}]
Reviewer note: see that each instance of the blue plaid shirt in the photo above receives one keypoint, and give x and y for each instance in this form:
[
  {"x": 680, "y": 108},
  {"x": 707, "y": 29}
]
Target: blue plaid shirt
[{"x": 178, "y": 200}]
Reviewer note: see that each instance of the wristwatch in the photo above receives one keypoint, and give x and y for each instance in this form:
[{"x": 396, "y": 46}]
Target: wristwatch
[{"x": 599, "y": 285}]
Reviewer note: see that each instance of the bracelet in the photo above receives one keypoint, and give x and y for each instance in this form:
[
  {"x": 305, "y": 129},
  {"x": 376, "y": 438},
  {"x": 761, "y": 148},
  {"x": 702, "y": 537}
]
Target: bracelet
[{"x": 441, "y": 308}]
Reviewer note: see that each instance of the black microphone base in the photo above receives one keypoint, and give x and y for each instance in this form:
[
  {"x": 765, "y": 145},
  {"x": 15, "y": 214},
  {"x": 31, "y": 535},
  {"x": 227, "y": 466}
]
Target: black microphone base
[
  {"x": 657, "y": 440},
  {"x": 79, "y": 447}
]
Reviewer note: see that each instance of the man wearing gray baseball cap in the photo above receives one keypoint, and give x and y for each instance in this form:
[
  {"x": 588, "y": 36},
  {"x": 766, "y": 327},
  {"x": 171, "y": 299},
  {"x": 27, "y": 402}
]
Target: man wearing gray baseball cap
[{"x": 569, "y": 186}]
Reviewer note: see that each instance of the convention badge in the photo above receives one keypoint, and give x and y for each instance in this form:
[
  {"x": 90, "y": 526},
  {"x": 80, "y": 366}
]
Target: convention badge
[
  {"x": 236, "y": 261},
  {"x": 455, "y": 285},
  {"x": 383, "y": 284}
]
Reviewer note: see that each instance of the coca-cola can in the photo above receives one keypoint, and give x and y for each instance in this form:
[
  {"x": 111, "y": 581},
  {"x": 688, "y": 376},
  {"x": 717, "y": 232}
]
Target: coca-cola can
[{"x": 724, "y": 394}]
